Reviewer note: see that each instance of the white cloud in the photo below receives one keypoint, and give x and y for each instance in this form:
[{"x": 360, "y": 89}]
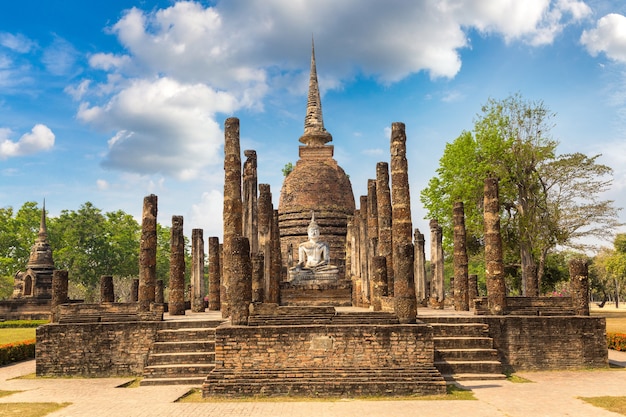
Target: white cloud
[
  {"x": 18, "y": 43},
  {"x": 185, "y": 64},
  {"x": 609, "y": 36},
  {"x": 102, "y": 185},
  {"x": 207, "y": 214},
  {"x": 60, "y": 57},
  {"x": 39, "y": 139},
  {"x": 162, "y": 126},
  {"x": 78, "y": 91}
]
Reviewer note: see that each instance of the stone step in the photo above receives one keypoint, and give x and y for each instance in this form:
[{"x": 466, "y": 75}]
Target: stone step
[
  {"x": 185, "y": 324},
  {"x": 463, "y": 342},
  {"x": 178, "y": 347},
  {"x": 466, "y": 354},
  {"x": 181, "y": 358},
  {"x": 263, "y": 320},
  {"x": 450, "y": 319},
  {"x": 185, "y": 334},
  {"x": 459, "y": 329},
  {"x": 365, "y": 318},
  {"x": 192, "y": 381},
  {"x": 177, "y": 370},
  {"x": 469, "y": 367},
  {"x": 325, "y": 382},
  {"x": 473, "y": 377}
]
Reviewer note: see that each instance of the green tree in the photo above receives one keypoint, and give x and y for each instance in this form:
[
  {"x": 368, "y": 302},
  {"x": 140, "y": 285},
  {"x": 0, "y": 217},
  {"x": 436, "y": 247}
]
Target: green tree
[
  {"x": 547, "y": 200},
  {"x": 287, "y": 169}
]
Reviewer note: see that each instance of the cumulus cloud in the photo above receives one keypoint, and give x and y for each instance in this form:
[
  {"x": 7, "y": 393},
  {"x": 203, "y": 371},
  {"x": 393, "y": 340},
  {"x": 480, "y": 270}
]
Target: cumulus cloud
[
  {"x": 185, "y": 64},
  {"x": 39, "y": 139},
  {"x": 207, "y": 213},
  {"x": 161, "y": 126},
  {"x": 609, "y": 36},
  {"x": 60, "y": 57}
]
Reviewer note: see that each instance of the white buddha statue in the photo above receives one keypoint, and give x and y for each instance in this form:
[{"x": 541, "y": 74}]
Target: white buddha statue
[{"x": 314, "y": 255}]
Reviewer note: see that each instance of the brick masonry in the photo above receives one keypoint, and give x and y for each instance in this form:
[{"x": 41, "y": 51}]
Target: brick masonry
[
  {"x": 94, "y": 349},
  {"x": 314, "y": 346}
]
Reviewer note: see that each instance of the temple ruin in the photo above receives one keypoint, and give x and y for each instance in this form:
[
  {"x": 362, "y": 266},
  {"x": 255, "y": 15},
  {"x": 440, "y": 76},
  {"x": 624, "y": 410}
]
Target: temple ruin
[{"x": 320, "y": 297}]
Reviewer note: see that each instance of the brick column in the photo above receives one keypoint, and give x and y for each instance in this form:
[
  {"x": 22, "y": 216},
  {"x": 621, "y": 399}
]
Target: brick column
[
  {"x": 59, "y": 292},
  {"x": 496, "y": 289},
  {"x": 197, "y": 271},
  {"x": 461, "y": 300},
  {"x": 240, "y": 286},
  {"x": 363, "y": 249},
  {"x": 384, "y": 210},
  {"x": 579, "y": 282},
  {"x": 372, "y": 228},
  {"x": 420, "y": 266},
  {"x": 277, "y": 262},
  {"x": 250, "y": 218},
  {"x": 176, "y": 302},
  {"x": 405, "y": 305},
  {"x": 232, "y": 212},
  {"x": 134, "y": 291},
  {"x": 107, "y": 293},
  {"x": 158, "y": 292},
  {"x": 437, "y": 286},
  {"x": 472, "y": 289},
  {"x": 214, "y": 273},
  {"x": 379, "y": 281},
  {"x": 265, "y": 222},
  {"x": 147, "y": 253},
  {"x": 257, "y": 278}
]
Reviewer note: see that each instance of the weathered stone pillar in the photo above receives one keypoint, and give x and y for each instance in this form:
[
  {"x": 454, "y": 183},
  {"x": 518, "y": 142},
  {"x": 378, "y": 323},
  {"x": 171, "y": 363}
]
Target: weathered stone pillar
[
  {"x": 107, "y": 293},
  {"x": 158, "y": 292},
  {"x": 134, "y": 291},
  {"x": 402, "y": 229},
  {"x": 176, "y": 302},
  {"x": 420, "y": 266},
  {"x": 472, "y": 292},
  {"x": 240, "y": 286},
  {"x": 258, "y": 284},
  {"x": 250, "y": 218},
  {"x": 232, "y": 213},
  {"x": 266, "y": 219},
  {"x": 147, "y": 253},
  {"x": 494, "y": 274},
  {"x": 277, "y": 262},
  {"x": 59, "y": 292},
  {"x": 357, "y": 297},
  {"x": 405, "y": 305},
  {"x": 461, "y": 299},
  {"x": 579, "y": 283},
  {"x": 363, "y": 249},
  {"x": 223, "y": 289},
  {"x": 198, "y": 286},
  {"x": 372, "y": 227},
  {"x": 384, "y": 210},
  {"x": 214, "y": 273},
  {"x": 437, "y": 285},
  {"x": 379, "y": 281},
  {"x": 349, "y": 254}
]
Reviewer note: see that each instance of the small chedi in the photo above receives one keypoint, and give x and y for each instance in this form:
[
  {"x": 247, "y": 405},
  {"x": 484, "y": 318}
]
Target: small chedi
[{"x": 313, "y": 258}]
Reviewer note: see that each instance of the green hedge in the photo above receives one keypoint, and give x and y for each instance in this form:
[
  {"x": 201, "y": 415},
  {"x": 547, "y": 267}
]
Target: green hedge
[
  {"x": 12, "y": 324},
  {"x": 616, "y": 341},
  {"x": 15, "y": 352}
]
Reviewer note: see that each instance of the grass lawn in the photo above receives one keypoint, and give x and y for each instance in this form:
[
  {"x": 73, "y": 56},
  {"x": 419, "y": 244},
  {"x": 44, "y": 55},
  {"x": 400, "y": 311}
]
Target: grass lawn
[
  {"x": 615, "y": 318},
  {"x": 614, "y": 404},
  {"x": 29, "y": 409},
  {"x": 13, "y": 335}
]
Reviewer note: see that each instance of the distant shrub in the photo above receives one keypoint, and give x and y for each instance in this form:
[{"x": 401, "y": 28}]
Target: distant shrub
[
  {"x": 13, "y": 324},
  {"x": 616, "y": 341},
  {"x": 15, "y": 352}
]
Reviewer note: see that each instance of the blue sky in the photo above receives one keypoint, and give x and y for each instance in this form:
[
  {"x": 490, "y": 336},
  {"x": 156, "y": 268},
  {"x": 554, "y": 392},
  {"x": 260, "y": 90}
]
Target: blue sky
[{"x": 110, "y": 101}]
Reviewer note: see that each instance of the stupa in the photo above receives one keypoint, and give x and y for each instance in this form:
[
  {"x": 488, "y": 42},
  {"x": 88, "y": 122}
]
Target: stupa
[{"x": 316, "y": 184}]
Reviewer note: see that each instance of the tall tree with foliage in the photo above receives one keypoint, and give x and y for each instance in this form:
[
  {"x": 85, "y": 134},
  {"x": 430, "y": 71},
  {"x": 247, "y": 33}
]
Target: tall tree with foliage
[{"x": 547, "y": 200}]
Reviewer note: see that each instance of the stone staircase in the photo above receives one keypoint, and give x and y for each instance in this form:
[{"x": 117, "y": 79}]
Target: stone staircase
[
  {"x": 464, "y": 350},
  {"x": 326, "y": 382},
  {"x": 183, "y": 353}
]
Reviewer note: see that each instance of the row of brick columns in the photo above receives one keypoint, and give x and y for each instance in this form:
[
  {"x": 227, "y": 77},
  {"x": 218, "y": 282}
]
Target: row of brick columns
[{"x": 383, "y": 259}]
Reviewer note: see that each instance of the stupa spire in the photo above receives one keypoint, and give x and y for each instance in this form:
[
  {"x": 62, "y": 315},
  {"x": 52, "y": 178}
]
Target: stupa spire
[
  {"x": 43, "y": 229},
  {"x": 314, "y": 132},
  {"x": 41, "y": 253}
]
